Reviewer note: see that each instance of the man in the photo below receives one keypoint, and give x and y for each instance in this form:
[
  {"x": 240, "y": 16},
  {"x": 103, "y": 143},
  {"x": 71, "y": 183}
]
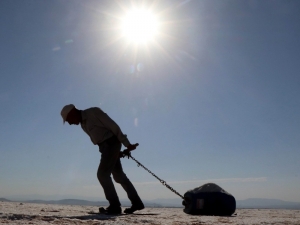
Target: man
[{"x": 105, "y": 133}]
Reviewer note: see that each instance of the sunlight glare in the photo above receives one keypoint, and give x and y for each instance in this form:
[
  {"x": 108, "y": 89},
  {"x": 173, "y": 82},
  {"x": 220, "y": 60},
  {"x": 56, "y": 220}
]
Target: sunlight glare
[{"x": 139, "y": 26}]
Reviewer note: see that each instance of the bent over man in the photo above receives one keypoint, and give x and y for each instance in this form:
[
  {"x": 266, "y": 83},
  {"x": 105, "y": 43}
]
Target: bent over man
[{"x": 105, "y": 133}]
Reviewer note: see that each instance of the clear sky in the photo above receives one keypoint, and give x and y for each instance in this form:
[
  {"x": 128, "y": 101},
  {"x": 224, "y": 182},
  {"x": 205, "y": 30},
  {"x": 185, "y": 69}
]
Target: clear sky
[{"x": 214, "y": 97}]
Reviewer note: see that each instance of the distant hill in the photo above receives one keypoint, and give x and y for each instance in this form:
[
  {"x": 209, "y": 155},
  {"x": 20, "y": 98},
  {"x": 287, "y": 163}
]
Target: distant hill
[
  {"x": 81, "y": 202},
  {"x": 260, "y": 203},
  {"x": 69, "y": 202},
  {"x": 89, "y": 203},
  {"x": 251, "y": 203},
  {"x": 169, "y": 202}
]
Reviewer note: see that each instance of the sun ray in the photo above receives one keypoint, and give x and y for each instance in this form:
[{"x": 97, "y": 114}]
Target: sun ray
[{"x": 164, "y": 43}]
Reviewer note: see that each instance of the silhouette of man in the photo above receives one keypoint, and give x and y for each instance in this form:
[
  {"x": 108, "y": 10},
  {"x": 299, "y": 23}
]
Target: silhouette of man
[{"x": 105, "y": 133}]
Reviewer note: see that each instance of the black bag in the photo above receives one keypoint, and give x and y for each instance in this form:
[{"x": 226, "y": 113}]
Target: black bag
[{"x": 209, "y": 199}]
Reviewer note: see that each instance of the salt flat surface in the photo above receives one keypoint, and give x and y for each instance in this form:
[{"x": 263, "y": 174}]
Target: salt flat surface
[{"x": 27, "y": 213}]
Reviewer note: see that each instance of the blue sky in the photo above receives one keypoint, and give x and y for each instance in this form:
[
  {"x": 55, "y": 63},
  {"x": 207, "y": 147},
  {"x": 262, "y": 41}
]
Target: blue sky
[{"x": 216, "y": 98}]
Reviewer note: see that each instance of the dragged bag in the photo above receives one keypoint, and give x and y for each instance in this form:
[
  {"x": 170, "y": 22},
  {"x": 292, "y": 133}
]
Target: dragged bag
[{"x": 209, "y": 199}]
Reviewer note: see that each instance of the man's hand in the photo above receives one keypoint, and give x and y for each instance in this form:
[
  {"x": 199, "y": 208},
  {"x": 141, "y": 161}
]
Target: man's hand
[
  {"x": 131, "y": 147},
  {"x": 126, "y": 152}
]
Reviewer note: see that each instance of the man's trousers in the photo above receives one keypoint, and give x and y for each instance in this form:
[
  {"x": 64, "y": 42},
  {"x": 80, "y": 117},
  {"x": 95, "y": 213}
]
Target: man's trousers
[{"x": 110, "y": 163}]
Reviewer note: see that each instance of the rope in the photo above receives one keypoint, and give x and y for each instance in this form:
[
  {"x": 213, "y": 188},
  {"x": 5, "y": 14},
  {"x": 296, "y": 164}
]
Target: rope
[{"x": 161, "y": 181}]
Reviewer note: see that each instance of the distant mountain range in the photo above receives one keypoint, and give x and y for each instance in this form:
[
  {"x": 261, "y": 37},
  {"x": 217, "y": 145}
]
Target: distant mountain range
[
  {"x": 80, "y": 202},
  {"x": 252, "y": 203},
  {"x": 260, "y": 203}
]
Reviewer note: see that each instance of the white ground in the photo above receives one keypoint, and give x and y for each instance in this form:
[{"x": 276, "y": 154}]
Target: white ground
[{"x": 25, "y": 213}]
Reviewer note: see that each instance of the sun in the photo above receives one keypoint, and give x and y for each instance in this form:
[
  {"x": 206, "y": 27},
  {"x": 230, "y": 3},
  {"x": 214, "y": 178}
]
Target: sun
[{"x": 139, "y": 26}]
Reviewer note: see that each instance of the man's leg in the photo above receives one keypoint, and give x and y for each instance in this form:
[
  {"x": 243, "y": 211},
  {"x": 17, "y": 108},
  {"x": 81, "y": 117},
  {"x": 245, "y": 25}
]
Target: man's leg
[
  {"x": 121, "y": 178},
  {"x": 109, "y": 157}
]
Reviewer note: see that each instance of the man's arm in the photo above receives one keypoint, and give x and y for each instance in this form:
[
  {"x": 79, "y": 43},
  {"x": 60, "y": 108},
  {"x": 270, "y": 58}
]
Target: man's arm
[{"x": 114, "y": 128}]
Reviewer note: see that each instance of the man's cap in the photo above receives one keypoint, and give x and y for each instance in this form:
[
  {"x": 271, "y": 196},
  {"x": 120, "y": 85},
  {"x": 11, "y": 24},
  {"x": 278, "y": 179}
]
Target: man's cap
[{"x": 65, "y": 111}]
